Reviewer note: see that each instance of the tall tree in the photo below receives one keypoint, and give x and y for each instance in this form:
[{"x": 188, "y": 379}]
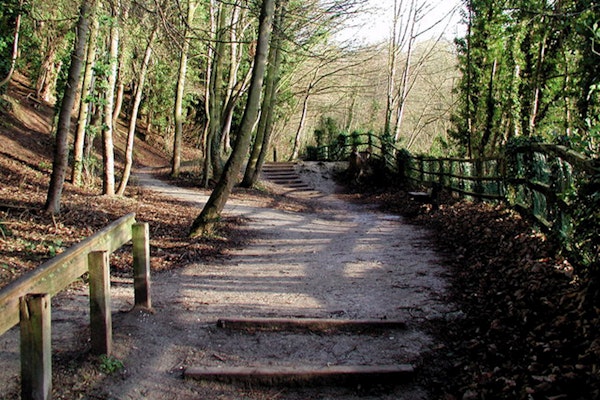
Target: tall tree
[
  {"x": 180, "y": 91},
  {"x": 84, "y": 104},
  {"x": 211, "y": 212},
  {"x": 139, "y": 90},
  {"x": 120, "y": 81},
  {"x": 212, "y": 162},
  {"x": 108, "y": 156},
  {"x": 265, "y": 123},
  {"x": 15, "y": 44},
  {"x": 61, "y": 151}
]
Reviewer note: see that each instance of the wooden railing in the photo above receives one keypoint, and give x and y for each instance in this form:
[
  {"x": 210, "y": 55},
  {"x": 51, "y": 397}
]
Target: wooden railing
[
  {"x": 482, "y": 179},
  {"x": 540, "y": 180},
  {"x": 543, "y": 179},
  {"x": 27, "y": 300},
  {"x": 381, "y": 149}
]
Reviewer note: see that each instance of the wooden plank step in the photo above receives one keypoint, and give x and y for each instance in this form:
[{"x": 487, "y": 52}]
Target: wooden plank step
[
  {"x": 296, "y": 376},
  {"x": 288, "y": 182},
  {"x": 281, "y": 174},
  {"x": 309, "y": 324},
  {"x": 285, "y": 167}
]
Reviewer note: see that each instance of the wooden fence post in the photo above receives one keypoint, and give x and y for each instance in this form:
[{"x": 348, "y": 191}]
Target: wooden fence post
[
  {"x": 36, "y": 350},
  {"x": 141, "y": 265},
  {"x": 100, "y": 314}
]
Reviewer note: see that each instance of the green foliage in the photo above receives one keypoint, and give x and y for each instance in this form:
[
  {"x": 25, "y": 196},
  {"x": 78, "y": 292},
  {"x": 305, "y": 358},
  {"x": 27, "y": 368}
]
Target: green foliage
[
  {"x": 4, "y": 230},
  {"x": 9, "y": 10},
  {"x": 159, "y": 98},
  {"x": 586, "y": 224},
  {"x": 110, "y": 365},
  {"x": 528, "y": 70}
]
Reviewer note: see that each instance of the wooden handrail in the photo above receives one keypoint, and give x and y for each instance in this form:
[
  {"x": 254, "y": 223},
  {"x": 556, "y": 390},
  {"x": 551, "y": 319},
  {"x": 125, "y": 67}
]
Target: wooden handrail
[
  {"x": 27, "y": 300},
  {"x": 59, "y": 272}
]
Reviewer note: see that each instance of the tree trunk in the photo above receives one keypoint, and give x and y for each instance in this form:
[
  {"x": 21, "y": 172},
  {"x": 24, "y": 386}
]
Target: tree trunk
[
  {"x": 120, "y": 84},
  {"x": 108, "y": 178},
  {"x": 61, "y": 151},
  {"x": 49, "y": 72},
  {"x": 211, "y": 212},
  {"x": 537, "y": 84},
  {"x": 180, "y": 91},
  {"x": 490, "y": 111},
  {"x": 234, "y": 64},
  {"x": 298, "y": 136},
  {"x": 262, "y": 140},
  {"x": 84, "y": 107},
  {"x": 403, "y": 92},
  {"x": 208, "y": 97},
  {"x": 393, "y": 50},
  {"x": 212, "y": 160},
  {"x": 134, "y": 113},
  {"x": 15, "y": 51}
]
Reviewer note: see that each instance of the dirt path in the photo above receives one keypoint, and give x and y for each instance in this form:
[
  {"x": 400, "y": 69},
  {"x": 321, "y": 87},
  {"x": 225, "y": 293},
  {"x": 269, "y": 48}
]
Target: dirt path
[{"x": 343, "y": 262}]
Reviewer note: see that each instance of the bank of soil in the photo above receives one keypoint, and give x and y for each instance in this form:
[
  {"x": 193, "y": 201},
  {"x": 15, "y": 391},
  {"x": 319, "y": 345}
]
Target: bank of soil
[{"x": 339, "y": 260}]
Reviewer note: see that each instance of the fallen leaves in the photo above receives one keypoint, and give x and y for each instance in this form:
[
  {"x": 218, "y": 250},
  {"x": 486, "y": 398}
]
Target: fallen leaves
[{"x": 530, "y": 330}]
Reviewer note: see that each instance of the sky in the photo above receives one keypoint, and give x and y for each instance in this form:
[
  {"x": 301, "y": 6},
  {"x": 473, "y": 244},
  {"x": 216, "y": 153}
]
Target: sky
[{"x": 375, "y": 26}]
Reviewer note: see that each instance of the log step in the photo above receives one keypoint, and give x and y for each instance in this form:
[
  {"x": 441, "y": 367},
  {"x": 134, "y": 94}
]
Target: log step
[
  {"x": 309, "y": 324},
  {"x": 295, "y": 376}
]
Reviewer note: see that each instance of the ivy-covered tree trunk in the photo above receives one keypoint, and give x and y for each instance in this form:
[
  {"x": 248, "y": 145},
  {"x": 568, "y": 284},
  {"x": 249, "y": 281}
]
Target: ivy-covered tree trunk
[
  {"x": 84, "y": 105},
  {"x": 211, "y": 212},
  {"x": 61, "y": 150},
  {"x": 213, "y": 162}
]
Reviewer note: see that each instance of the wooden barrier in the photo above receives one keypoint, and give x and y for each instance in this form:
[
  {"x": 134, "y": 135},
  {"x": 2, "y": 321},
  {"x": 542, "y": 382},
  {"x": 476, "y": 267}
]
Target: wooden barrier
[{"x": 27, "y": 299}]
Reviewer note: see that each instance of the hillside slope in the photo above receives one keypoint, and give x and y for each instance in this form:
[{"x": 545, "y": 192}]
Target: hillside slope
[{"x": 29, "y": 236}]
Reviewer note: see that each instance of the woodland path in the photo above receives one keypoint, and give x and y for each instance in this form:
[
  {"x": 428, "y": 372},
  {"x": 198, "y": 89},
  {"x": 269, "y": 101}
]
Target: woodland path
[{"x": 343, "y": 261}]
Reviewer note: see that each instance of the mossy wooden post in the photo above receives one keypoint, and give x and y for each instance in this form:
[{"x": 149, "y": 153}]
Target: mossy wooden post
[
  {"x": 100, "y": 314},
  {"x": 36, "y": 350},
  {"x": 141, "y": 265}
]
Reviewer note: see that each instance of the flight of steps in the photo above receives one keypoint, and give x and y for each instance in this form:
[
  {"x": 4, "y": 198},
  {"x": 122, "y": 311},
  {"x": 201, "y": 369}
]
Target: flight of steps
[{"x": 284, "y": 174}]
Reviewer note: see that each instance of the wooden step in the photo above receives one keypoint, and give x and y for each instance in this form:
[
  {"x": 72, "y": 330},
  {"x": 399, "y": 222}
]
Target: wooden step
[
  {"x": 280, "y": 174},
  {"x": 303, "y": 376},
  {"x": 289, "y": 182},
  {"x": 309, "y": 324}
]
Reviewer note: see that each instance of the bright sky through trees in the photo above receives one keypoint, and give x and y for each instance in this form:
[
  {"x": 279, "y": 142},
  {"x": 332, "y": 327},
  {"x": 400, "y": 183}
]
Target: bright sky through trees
[{"x": 374, "y": 26}]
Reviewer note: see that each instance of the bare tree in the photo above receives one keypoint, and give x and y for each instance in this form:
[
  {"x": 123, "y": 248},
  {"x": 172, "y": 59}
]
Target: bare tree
[
  {"x": 407, "y": 28},
  {"x": 325, "y": 77}
]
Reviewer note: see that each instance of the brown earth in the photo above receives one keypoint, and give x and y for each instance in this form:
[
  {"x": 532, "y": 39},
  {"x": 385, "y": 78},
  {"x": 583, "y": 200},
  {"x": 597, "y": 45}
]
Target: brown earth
[
  {"x": 492, "y": 310},
  {"x": 340, "y": 261}
]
